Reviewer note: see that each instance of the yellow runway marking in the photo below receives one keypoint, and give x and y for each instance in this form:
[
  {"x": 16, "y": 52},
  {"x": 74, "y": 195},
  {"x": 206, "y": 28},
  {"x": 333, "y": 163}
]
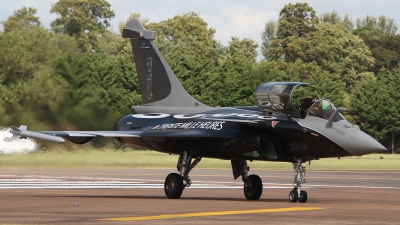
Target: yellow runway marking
[{"x": 220, "y": 213}]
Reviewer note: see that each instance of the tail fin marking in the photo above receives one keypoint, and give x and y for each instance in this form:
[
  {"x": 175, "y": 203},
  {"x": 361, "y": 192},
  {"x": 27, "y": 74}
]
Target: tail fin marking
[{"x": 158, "y": 84}]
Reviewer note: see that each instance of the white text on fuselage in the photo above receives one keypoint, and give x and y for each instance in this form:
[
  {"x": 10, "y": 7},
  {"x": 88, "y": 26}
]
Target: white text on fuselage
[
  {"x": 215, "y": 125},
  {"x": 190, "y": 116}
]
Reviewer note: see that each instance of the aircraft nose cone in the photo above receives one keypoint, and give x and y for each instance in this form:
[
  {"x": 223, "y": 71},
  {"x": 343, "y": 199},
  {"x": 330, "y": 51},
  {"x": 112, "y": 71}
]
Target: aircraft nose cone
[{"x": 361, "y": 144}]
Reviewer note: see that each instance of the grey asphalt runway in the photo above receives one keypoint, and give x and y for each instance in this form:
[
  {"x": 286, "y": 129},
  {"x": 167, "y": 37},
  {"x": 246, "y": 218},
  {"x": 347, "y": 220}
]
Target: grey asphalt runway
[{"x": 136, "y": 196}]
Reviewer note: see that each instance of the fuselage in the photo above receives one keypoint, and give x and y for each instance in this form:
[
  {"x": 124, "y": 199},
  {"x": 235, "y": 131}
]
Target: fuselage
[{"x": 244, "y": 133}]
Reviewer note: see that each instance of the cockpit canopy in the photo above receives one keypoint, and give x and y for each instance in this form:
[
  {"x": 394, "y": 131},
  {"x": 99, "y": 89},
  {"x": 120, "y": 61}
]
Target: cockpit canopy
[{"x": 277, "y": 97}]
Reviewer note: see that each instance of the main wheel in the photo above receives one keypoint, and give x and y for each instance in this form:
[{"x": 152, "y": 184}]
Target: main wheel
[
  {"x": 173, "y": 186},
  {"x": 303, "y": 196},
  {"x": 253, "y": 187},
  {"x": 293, "y": 196}
]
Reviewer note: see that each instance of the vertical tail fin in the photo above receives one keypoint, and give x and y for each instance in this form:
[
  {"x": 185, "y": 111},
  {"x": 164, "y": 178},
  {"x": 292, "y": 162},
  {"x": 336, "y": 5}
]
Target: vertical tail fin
[{"x": 158, "y": 84}]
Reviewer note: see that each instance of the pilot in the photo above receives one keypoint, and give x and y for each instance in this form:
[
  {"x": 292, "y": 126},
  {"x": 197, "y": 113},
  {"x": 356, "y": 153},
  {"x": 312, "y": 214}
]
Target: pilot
[
  {"x": 306, "y": 104},
  {"x": 315, "y": 110}
]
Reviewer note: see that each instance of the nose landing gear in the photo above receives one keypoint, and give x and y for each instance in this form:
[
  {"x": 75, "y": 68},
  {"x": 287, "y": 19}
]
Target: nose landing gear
[{"x": 299, "y": 173}]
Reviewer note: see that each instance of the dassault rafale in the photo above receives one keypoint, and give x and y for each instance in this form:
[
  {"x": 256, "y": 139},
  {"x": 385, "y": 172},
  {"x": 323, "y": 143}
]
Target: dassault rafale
[{"x": 172, "y": 121}]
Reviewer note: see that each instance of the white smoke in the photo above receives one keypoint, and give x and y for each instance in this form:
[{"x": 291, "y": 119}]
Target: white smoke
[{"x": 20, "y": 146}]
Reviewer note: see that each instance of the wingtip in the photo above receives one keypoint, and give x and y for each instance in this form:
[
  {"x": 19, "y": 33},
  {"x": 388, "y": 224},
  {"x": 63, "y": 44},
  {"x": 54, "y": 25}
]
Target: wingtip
[{"x": 15, "y": 129}]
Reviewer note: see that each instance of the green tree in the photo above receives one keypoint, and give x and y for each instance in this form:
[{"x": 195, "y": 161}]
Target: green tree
[
  {"x": 23, "y": 18},
  {"x": 382, "y": 23},
  {"x": 119, "y": 78},
  {"x": 327, "y": 55},
  {"x": 32, "y": 90},
  {"x": 101, "y": 88},
  {"x": 335, "y": 18},
  {"x": 245, "y": 48},
  {"x": 186, "y": 27},
  {"x": 86, "y": 20},
  {"x": 191, "y": 68},
  {"x": 24, "y": 51},
  {"x": 385, "y": 48},
  {"x": 84, "y": 102},
  {"x": 268, "y": 35},
  {"x": 262, "y": 72},
  {"x": 241, "y": 58},
  {"x": 296, "y": 20},
  {"x": 334, "y": 48}
]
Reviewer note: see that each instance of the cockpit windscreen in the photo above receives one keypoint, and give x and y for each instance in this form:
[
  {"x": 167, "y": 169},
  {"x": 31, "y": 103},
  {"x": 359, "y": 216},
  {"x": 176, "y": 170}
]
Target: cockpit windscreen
[{"x": 324, "y": 109}]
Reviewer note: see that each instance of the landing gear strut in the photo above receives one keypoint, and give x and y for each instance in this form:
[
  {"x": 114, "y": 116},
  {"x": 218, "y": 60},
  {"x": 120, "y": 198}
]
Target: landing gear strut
[
  {"x": 299, "y": 173},
  {"x": 175, "y": 183},
  {"x": 252, "y": 185}
]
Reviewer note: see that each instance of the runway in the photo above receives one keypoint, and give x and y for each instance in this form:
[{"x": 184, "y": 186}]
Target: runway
[{"x": 136, "y": 196}]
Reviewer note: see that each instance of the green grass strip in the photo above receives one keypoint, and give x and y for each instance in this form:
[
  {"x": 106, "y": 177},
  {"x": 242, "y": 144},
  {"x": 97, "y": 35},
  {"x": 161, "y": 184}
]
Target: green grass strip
[{"x": 106, "y": 158}]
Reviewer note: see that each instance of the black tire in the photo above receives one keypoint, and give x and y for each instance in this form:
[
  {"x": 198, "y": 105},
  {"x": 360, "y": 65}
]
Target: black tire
[
  {"x": 293, "y": 196},
  {"x": 252, "y": 187},
  {"x": 173, "y": 186},
  {"x": 303, "y": 196}
]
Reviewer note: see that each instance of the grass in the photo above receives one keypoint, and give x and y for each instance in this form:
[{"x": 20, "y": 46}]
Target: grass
[{"x": 106, "y": 158}]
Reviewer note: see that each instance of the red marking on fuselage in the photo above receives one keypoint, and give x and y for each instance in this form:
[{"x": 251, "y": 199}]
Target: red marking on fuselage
[{"x": 273, "y": 123}]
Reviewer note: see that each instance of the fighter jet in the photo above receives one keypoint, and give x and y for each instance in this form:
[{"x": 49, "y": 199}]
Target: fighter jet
[{"x": 172, "y": 121}]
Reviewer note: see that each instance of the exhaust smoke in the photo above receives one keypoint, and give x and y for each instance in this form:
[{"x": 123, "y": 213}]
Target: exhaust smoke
[{"x": 20, "y": 146}]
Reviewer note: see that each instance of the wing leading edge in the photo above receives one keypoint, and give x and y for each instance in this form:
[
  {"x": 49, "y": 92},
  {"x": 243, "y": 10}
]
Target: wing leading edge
[
  {"x": 80, "y": 137},
  {"x": 74, "y": 136}
]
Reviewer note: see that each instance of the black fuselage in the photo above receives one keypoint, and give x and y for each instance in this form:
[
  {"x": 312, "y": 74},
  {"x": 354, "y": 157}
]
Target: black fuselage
[{"x": 279, "y": 138}]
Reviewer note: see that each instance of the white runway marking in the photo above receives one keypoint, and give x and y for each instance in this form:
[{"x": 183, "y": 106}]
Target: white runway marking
[
  {"x": 28, "y": 182},
  {"x": 63, "y": 184},
  {"x": 97, "y": 183}
]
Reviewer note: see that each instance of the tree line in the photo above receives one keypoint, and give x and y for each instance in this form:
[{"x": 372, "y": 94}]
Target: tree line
[{"x": 80, "y": 74}]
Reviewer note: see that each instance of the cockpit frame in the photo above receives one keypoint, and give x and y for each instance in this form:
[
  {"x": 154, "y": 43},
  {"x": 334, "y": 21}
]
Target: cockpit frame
[{"x": 277, "y": 97}]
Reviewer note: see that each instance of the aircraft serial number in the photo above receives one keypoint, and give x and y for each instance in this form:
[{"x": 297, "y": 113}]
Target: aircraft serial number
[{"x": 298, "y": 146}]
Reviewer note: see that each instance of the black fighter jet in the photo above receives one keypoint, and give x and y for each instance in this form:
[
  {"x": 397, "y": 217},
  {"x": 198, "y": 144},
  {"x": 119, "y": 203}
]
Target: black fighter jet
[{"x": 172, "y": 121}]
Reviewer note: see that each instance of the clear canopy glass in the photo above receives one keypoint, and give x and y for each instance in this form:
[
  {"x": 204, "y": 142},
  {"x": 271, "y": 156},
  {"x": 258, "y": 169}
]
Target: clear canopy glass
[
  {"x": 277, "y": 97},
  {"x": 324, "y": 109}
]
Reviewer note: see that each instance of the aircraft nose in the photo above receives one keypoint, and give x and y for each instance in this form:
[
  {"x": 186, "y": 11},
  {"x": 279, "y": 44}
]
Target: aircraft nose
[{"x": 361, "y": 144}]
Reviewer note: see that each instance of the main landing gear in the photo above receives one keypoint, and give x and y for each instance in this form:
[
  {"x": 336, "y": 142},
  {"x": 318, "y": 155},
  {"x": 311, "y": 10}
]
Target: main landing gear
[
  {"x": 252, "y": 185},
  {"x": 299, "y": 173},
  {"x": 175, "y": 183}
]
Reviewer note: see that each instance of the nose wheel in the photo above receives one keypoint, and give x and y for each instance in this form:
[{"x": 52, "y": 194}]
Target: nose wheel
[
  {"x": 299, "y": 173},
  {"x": 294, "y": 196},
  {"x": 303, "y": 196}
]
